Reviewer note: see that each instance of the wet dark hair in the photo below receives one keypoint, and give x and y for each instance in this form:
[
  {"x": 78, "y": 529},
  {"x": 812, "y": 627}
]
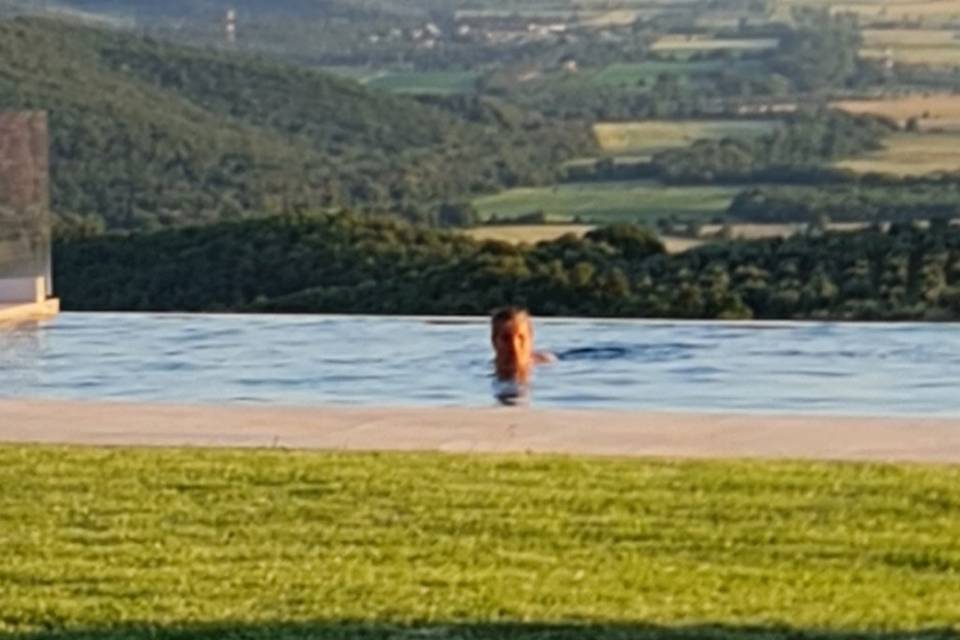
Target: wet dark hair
[{"x": 504, "y": 315}]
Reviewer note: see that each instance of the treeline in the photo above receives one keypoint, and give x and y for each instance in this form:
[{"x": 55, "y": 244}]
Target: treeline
[
  {"x": 847, "y": 203},
  {"x": 803, "y": 142},
  {"x": 346, "y": 263},
  {"x": 798, "y": 151},
  {"x": 147, "y": 134}
]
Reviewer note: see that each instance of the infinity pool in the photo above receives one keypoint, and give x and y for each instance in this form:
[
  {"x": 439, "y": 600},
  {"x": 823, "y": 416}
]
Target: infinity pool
[{"x": 842, "y": 369}]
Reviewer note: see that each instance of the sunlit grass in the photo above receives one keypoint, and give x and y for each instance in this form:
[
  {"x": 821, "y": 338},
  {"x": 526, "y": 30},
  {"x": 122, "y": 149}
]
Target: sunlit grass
[{"x": 96, "y": 539}]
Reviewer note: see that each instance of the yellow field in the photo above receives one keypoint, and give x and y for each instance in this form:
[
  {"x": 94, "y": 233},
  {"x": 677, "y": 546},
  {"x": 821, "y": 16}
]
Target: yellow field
[
  {"x": 930, "y": 10},
  {"x": 618, "y": 17},
  {"x": 706, "y": 43},
  {"x": 912, "y": 46},
  {"x": 935, "y": 111},
  {"x": 534, "y": 233},
  {"x": 909, "y": 37},
  {"x": 912, "y": 154},
  {"x": 620, "y": 138},
  {"x": 531, "y": 233}
]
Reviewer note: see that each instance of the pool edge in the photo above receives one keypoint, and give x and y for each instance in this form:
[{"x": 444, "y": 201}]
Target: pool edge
[{"x": 491, "y": 430}]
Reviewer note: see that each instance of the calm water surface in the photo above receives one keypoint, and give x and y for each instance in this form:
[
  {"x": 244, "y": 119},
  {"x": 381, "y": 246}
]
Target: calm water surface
[{"x": 902, "y": 369}]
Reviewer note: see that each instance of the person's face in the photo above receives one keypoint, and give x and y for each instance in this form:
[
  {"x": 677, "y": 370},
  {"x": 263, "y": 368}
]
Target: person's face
[{"x": 513, "y": 343}]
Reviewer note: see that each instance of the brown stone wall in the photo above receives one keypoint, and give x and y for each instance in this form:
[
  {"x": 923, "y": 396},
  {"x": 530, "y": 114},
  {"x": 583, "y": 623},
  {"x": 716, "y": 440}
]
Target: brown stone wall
[{"x": 24, "y": 195}]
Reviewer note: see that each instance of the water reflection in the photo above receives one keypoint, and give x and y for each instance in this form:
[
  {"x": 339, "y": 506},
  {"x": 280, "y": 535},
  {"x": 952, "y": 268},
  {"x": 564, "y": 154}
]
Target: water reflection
[
  {"x": 512, "y": 393},
  {"x": 21, "y": 349}
]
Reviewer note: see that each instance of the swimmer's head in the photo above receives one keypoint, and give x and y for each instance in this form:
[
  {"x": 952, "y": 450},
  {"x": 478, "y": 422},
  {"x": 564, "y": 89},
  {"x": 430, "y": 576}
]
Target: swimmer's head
[{"x": 512, "y": 337}]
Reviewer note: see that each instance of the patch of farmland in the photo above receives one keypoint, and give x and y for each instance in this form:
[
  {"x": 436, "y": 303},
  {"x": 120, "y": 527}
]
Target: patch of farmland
[
  {"x": 691, "y": 42},
  {"x": 650, "y": 136},
  {"x": 607, "y": 202},
  {"x": 911, "y": 154},
  {"x": 933, "y": 111}
]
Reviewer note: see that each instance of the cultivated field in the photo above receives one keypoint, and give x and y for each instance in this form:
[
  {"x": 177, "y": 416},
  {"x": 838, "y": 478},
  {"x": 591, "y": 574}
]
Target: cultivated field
[
  {"x": 913, "y": 46},
  {"x": 874, "y": 11},
  {"x": 911, "y": 154},
  {"x": 704, "y": 43},
  {"x": 605, "y": 202},
  {"x": 650, "y": 136},
  {"x": 935, "y": 111},
  {"x": 103, "y": 544}
]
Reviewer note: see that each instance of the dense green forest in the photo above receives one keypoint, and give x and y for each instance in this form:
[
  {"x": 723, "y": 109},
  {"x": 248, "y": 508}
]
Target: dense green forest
[
  {"x": 348, "y": 263},
  {"x": 147, "y": 134}
]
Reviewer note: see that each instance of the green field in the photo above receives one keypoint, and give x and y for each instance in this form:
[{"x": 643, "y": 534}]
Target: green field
[
  {"x": 649, "y": 136},
  {"x": 417, "y": 82},
  {"x": 606, "y": 202},
  {"x": 120, "y": 543},
  {"x": 632, "y": 73}
]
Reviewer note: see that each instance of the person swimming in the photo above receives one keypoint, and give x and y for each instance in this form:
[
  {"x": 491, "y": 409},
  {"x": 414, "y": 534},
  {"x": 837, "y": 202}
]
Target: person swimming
[{"x": 511, "y": 332}]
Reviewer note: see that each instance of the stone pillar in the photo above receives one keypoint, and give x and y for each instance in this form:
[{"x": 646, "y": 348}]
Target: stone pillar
[{"x": 24, "y": 204}]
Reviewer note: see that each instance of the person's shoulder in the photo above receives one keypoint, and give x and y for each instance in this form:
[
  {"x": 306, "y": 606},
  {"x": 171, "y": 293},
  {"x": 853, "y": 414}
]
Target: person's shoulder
[{"x": 544, "y": 357}]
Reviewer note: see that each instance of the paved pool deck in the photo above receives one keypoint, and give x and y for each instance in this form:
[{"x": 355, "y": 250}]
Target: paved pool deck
[{"x": 488, "y": 430}]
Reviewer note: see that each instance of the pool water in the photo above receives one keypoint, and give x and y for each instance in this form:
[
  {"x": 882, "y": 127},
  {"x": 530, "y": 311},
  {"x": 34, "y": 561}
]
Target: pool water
[{"x": 823, "y": 368}]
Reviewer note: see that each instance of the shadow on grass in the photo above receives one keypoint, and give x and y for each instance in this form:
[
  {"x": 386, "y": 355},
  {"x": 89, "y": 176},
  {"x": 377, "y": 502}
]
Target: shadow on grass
[{"x": 334, "y": 630}]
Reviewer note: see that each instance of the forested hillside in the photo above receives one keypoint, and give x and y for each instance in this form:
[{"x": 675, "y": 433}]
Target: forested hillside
[
  {"x": 147, "y": 134},
  {"x": 345, "y": 263}
]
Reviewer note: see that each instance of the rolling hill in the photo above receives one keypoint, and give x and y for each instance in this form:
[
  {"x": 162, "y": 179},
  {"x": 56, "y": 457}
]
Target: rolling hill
[{"x": 148, "y": 134}]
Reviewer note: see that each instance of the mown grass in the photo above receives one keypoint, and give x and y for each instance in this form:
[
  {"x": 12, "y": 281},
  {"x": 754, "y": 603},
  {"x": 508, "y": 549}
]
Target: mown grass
[
  {"x": 104, "y": 543},
  {"x": 607, "y": 202}
]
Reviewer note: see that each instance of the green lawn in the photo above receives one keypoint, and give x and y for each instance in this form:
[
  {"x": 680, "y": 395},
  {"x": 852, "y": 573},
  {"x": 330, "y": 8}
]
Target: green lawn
[
  {"x": 124, "y": 543},
  {"x": 606, "y": 202}
]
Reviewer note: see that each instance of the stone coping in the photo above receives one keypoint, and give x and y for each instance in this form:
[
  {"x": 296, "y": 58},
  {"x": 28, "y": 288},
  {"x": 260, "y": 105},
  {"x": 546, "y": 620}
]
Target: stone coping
[
  {"x": 486, "y": 430},
  {"x": 29, "y": 311}
]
